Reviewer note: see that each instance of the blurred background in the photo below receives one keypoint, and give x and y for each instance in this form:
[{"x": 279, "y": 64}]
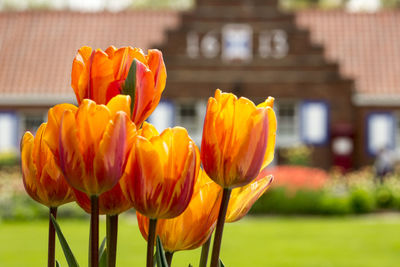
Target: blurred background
[{"x": 332, "y": 65}]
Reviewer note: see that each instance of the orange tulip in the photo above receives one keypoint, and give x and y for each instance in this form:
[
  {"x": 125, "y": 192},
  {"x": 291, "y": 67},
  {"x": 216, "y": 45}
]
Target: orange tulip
[
  {"x": 195, "y": 225},
  {"x": 112, "y": 202},
  {"x": 160, "y": 173},
  {"x": 243, "y": 198},
  {"x": 101, "y": 75},
  {"x": 43, "y": 180},
  {"x": 238, "y": 139},
  {"x": 91, "y": 143}
]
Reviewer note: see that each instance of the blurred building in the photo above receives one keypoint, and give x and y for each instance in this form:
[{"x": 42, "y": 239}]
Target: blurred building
[{"x": 335, "y": 75}]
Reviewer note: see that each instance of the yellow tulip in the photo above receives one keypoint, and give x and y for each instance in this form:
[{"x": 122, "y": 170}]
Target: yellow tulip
[
  {"x": 238, "y": 139},
  {"x": 91, "y": 143},
  {"x": 42, "y": 178},
  {"x": 160, "y": 173}
]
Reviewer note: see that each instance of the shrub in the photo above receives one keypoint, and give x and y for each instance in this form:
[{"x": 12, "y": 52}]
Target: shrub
[{"x": 362, "y": 201}]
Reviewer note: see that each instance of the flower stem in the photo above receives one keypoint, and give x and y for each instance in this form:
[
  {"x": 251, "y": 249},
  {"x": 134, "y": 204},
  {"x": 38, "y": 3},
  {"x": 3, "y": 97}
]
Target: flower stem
[
  {"x": 94, "y": 232},
  {"x": 150, "y": 241},
  {"x": 51, "y": 258},
  {"x": 204, "y": 253},
  {"x": 220, "y": 227},
  {"x": 168, "y": 256},
  {"x": 112, "y": 234}
]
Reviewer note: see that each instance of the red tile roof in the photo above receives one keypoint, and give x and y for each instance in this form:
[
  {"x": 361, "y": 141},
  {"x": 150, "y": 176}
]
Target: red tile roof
[
  {"x": 366, "y": 46},
  {"x": 37, "y": 48}
]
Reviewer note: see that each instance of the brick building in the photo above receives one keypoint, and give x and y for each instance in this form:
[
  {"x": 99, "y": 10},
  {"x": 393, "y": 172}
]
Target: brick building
[{"x": 334, "y": 74}]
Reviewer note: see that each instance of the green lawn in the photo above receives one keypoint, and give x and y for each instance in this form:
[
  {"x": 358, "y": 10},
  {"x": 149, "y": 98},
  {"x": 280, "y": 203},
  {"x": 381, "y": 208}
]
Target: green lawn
[{"x": 262, "y": 241}]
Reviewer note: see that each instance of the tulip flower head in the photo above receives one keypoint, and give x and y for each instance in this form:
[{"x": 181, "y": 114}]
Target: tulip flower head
[
  {"x": 91, "y": 143},
  {"x": 101, "y": 75},
  {"x": 160, "y": 173},
  {"x": 195, "y": 225},
  {"x": 238, "y": 139},
  {"x": 42, "y": 178}
]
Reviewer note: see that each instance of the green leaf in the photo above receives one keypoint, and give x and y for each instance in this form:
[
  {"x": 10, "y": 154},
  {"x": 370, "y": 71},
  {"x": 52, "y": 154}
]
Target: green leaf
[
  {"x": 160, "y": 254},
  {"x": 57, "y": 264},
  {"x": 103, "y": 254},
  {"x": 130, "y": 83},
  {"x": 103, "y": 259},
  {"x": 190, "y": 265},
  {"x": 221, "y": 264},
  {"x": 69, "y": 256}
]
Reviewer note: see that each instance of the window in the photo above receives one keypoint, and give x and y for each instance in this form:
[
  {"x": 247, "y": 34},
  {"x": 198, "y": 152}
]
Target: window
[
  {"x": 190, "y": 114},
  {"x": 31, "y": 122},
  {"x": 288, "y": 124},
  {"x": 380, "y": 132},
  {"x": 8, "y": 132}
]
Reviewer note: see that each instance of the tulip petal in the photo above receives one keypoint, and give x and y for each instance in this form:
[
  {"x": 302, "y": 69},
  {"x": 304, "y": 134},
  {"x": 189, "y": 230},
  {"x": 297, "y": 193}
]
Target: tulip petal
[
  {"x": 272, "y": 127},
  {"x": 211, "y": 152},
  {"x": 144, "y": 94},
  {"x": 78, "y": 67},
  {"x": 122, "y": 60},
  {"x": 52, "y": 132},
  {"x": 250, "y": 158},
  {"x": 157, "y": 67},
  {"x": 71, "y": 160},
  {"x": 91, "y": 120},
  {"x": 120, "y": 103},
  {"x": 243, "y": 198},
  {"x": 29, "y": 170},
  {"x": 269, "y": 102},
  {"x": 143, "y": 175},
  {"x": 148, "y": 131},
  {"x": 109, "y": 159}
]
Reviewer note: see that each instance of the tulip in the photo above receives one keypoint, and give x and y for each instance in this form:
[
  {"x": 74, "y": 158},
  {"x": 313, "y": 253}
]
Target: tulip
[
  {"x": 91, "y": 145},
  {"x": 43, "y": 180},
  {"x": 238, "y": 141},
  {"x": 101, "y": 75},
  {"x": 195, "y": 225},
  {"x": 160, "y": 175}
]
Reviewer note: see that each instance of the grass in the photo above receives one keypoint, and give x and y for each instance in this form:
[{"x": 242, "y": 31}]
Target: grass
[{"x": 372, "y": 240}]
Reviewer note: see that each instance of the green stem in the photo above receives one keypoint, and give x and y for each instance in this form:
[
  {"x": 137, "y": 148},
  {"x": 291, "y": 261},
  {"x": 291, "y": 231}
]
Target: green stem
[
  {"x": 94, "y": 232},
  {"x": 150, "y": 241},
  {"x": 112, "y": 234},
  {"x": 168, "y": 256},
  {"x": 204, "y": 253},
  {"x": 51, "y": 256},
  {"x": 220, "y": 227}
]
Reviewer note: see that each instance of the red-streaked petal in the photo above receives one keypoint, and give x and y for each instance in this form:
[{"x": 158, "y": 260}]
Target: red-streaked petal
[
  {"x": 109, "y": 159},
  {"x": 144, "y": 94},
  {"x": 71, "y": 160}
]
